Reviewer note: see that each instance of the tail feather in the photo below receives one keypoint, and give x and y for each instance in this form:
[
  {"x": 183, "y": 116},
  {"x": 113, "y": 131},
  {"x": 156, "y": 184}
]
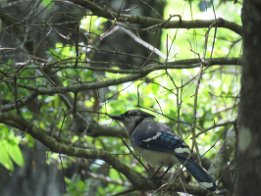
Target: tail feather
[{"x": 199, "y": 173}]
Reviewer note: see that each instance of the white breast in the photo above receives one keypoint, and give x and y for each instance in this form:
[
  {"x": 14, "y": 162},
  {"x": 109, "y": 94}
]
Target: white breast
[{"x": 157, "y": 158}]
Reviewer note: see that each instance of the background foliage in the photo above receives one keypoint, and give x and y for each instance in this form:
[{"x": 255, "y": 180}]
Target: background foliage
[{"x": 66, "y": 65}]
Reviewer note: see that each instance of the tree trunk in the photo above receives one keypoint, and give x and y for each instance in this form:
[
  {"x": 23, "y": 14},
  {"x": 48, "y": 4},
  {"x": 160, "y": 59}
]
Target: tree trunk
[{"x": 248, "y": 165}]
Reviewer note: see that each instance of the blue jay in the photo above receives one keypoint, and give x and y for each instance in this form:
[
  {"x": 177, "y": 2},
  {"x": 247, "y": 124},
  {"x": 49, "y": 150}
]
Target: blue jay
[{"x": 158, "y": 145}]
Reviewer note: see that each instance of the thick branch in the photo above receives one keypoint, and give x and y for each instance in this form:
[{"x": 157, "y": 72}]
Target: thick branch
[
  {"x": 55, "y": 146},
  {"x": 96, "y": 130},
  {"x": 148, "y": 21}
]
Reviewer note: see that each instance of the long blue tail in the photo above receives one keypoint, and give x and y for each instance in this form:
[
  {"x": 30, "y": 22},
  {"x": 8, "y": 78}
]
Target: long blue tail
[{"x": 199, "y": 173}]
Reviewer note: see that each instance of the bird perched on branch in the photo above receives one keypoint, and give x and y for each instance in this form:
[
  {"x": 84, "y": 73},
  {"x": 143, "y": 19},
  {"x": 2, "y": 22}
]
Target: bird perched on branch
[{"x": 158, "y": 145}]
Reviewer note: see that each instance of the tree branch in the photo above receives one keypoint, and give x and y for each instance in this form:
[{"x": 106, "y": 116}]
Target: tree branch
[
  {"x": 96, "y": 130},
  {"x": 148, "y": 21},
  {"x": 179, "y": 64},
  {"x": 18, "y": 103},
  {"x": 55, "y": 146},
  {"x": 141, "y": 73}
]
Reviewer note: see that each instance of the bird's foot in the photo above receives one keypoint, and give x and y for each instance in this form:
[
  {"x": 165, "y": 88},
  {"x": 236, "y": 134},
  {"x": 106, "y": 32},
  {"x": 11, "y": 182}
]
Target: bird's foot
[{"x": 156, "y": 180}]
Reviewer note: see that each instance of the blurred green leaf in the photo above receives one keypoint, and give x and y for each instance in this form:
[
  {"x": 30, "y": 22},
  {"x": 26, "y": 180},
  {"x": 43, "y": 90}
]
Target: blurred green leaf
[
  {"x": 15, "y": 153},
  {"x": 5, "y": 159}
]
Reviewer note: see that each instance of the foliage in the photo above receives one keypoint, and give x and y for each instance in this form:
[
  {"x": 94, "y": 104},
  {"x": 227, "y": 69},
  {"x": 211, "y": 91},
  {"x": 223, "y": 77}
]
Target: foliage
[
  {"x": 10, "y": 151},
  {"x": 53, "y": 88}
]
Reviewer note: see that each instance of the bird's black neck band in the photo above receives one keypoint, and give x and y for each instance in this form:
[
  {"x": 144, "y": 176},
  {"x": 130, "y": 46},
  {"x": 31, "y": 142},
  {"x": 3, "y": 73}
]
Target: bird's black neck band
[{"x": 137, "y": 123}]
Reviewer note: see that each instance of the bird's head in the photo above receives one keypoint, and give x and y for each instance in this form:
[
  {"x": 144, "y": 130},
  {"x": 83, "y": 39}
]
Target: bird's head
[{"x": 131, "y": 118}]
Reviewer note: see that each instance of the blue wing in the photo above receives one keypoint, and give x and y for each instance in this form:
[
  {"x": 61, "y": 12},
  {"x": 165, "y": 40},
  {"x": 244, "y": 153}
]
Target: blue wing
[
  {"x": 158, "y": 137},
  {"x": 166, "y": 142}
]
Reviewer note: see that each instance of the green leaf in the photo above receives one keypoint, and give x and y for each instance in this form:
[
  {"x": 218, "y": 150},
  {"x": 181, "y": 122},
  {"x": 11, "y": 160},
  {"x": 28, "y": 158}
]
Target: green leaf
[
  {"x": 15, "y": 154},
  {"x": 4, "y": 158}
]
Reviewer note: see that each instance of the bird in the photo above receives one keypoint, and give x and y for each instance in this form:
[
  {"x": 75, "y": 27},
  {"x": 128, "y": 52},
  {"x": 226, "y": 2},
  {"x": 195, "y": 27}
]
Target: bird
[{"x": 158, "y": 145}]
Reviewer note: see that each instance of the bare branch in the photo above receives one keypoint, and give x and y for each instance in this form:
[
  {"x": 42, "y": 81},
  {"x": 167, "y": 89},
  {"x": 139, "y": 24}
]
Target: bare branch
[
  {"x": 141, "y": 73},
  {"x": 148, "y": 21}
]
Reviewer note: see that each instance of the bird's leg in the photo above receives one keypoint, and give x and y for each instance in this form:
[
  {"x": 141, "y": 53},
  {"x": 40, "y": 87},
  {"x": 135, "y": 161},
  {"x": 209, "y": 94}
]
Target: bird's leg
[
  {"x": 154, "y": 178},
  {"x": 161, "y": 177},
  {"x": 155, "y": 173}
]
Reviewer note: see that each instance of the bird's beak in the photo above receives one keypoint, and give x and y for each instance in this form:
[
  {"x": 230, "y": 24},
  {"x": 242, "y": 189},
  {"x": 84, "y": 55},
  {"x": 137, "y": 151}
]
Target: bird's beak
[{"x": 116, "y": 117}]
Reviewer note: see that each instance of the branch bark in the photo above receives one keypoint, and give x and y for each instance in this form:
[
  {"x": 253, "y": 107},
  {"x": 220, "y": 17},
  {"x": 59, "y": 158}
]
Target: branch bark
[{"x": 155, "y": 22}]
